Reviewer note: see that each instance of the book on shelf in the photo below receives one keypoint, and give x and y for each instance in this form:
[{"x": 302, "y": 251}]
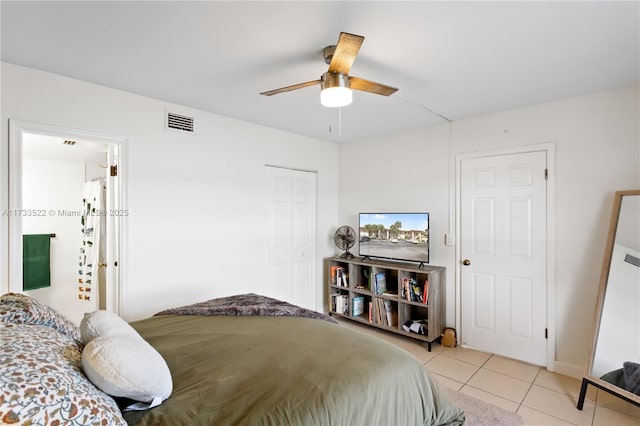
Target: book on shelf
[
  {"x": 411, "y": 290},
  {"x": 408, "y": 286},
  {"x": 357, "y": 306},
  {"x": 380, "y": 283},
  {"x": 391, "y": 314},
  {"x": 376, "y": 311},
  {"x": 339, "y": 276},
  {"x": 414, "y": 292},
  {"x": 370, "y": 312},
  {"x": 404, "y": 291},
  {"x": 417, "y": 292},
  {"x": 425, "y": 292},
  {"x": 340, "y": 303},
  {"x": 380, "y": 314},
  {"x": 339, "y": 273}
]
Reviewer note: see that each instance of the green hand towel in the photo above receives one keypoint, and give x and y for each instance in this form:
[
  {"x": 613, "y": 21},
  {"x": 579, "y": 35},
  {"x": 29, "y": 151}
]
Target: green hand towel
[{"x": 36, "y": 272}]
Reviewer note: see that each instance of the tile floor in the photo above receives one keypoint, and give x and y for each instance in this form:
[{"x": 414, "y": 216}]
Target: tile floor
[{"x": 540, "y": 397}]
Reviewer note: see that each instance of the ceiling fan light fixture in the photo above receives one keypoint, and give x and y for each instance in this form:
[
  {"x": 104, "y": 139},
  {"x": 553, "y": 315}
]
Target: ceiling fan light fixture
[
  {"x": 335, "y": 91},
  {"x": 335, "y": 97}
]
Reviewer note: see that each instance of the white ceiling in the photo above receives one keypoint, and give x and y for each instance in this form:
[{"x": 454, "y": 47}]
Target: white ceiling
[
  {"x": 459, "y": 59},
  {"x": 52, "y": 148}
]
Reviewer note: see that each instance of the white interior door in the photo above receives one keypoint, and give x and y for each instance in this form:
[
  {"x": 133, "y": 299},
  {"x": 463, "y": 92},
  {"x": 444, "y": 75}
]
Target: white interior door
[
  {"x": 503, "y": 247},
  {"x": 291, "y": 223},
  {"x": 113, "y": 212}
]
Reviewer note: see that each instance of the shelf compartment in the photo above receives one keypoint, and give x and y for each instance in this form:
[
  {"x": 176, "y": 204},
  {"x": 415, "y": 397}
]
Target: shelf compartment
[
  {"x": 360, "y": 277},
  {"x": 385, "y": 312},
  {"x": 339, "y": 301},
  {"x": 384, "y": 281},
  {"x": 414, "y": 287},
  {"x": 411, "y": 313},
  {"x": 339, "y": 274},
  {"x": 361, "y": 307}
]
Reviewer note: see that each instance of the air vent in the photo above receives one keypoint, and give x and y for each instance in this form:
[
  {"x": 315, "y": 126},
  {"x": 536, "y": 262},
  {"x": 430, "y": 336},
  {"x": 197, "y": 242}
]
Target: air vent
[
  {"x": 69, "y": 142},
  {"x": 179, "y": 122},
  {"x": 632, "y": 260}
]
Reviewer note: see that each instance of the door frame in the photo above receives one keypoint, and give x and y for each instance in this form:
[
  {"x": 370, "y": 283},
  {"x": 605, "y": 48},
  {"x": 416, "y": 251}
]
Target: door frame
[
  {"x": 549, "y": 149},
  {"x": 17, "y": 128}
]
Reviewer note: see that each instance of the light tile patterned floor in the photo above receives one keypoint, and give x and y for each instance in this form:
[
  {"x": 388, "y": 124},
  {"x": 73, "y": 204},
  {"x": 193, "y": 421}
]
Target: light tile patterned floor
[{"x": 541, "y": 397}]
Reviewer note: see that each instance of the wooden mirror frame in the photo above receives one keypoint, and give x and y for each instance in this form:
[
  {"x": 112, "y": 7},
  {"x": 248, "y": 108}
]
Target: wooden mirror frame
[{"x": 604, "y": 277}]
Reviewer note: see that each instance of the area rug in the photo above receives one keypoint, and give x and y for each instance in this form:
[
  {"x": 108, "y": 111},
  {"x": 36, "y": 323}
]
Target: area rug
[{"x": 480, "y": 413}]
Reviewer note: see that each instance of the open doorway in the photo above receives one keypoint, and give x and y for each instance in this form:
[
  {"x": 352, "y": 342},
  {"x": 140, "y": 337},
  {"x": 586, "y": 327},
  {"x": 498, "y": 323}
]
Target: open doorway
[{"x": 64, "y": 229}]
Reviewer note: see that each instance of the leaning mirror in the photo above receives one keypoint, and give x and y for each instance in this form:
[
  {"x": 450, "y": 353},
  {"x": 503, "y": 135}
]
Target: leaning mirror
[{"x": 614, "y": 360}]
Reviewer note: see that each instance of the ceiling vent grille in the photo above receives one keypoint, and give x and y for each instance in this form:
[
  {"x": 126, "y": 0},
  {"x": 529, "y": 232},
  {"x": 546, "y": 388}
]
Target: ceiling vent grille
[{"x": 179, "y": 122}]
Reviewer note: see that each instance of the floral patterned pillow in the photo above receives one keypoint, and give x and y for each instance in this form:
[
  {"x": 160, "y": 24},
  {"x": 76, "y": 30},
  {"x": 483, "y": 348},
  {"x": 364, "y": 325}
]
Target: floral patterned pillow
[
  {"x": 41, "y": 381},
  {"x": 22, "y": 309}
]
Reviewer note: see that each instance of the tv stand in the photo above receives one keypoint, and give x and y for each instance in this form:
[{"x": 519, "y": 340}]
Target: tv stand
[{"x": 354, "y": 295}]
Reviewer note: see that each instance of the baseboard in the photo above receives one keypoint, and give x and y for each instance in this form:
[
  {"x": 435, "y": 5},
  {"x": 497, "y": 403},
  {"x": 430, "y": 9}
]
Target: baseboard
[{"x": 567, "y": 369}]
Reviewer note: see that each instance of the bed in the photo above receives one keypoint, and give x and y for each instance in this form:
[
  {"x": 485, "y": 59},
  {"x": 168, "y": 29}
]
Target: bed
[{"x": 248, "y": 366}]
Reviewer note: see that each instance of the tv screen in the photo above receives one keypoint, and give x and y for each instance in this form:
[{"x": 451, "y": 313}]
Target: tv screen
[{"x": 401, "y": 236}]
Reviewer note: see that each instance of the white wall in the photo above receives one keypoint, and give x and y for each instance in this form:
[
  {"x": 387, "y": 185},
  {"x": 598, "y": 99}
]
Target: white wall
[
  {"x": 597, "y": 152},
  {"x": 195, "y": 229},
  {"x": 192, "y": 197},
  {"x": 403, "y": 172}
]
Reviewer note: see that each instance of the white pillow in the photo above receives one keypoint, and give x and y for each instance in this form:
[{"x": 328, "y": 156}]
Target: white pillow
[
  {"x": 120, "y": 362},
  {"x": 104, "y": 323},
  {"x": 127, "y": 366}
]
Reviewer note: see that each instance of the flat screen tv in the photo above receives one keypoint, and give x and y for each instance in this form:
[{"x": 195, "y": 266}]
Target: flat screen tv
[{"x": 400, "y": 236}]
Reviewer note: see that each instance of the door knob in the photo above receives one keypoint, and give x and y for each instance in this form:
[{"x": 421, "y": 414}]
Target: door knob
[{"x": 466, "y": 262}]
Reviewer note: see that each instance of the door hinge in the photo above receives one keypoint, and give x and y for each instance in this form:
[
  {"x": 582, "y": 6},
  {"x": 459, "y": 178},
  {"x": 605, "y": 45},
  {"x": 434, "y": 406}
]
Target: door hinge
[
  {"x": 546, "y": 174},
  {"x": 114, "y": 170},
  {"x": 546, "y": 333}
]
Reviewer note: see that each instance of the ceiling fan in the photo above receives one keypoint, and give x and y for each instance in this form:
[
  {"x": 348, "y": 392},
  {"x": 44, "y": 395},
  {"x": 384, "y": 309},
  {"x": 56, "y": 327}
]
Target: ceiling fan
[{"x": 336, "y": 83}]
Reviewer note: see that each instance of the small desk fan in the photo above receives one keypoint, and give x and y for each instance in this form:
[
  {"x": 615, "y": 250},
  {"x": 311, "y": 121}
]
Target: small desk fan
[{"x": 345, "y": 238}]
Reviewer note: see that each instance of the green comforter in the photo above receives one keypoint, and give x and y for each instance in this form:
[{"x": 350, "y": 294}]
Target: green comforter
[{"x": 287, "y": 371}]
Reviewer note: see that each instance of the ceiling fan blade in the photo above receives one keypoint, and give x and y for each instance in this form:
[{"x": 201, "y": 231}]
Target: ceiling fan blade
[
  {"x": 345, "y": 54},
  {"x": 290, "y": 88},
  {"x": 370, "y": 86}
]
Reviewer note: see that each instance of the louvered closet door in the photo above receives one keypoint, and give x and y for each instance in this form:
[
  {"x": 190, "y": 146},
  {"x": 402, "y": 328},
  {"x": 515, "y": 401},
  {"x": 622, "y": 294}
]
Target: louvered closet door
[{"x": 503, "y": 235}]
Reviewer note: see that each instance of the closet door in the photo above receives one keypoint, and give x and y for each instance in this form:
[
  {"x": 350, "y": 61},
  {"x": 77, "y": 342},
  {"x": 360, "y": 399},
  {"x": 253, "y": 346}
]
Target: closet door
[{"x": 291, "y": 223}]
